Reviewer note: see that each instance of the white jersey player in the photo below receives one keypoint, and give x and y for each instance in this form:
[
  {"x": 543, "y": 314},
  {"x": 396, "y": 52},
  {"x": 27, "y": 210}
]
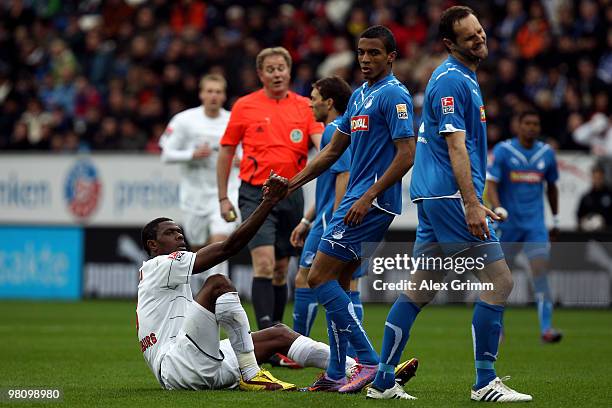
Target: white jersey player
[
  {"x": 179, "y": 333},
  {"x": 192, "y": 140}
]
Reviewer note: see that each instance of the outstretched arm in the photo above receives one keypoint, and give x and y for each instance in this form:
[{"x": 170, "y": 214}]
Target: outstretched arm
[
  {"x": 274, "y": 189},
  {"x": 326, "y": 157}
]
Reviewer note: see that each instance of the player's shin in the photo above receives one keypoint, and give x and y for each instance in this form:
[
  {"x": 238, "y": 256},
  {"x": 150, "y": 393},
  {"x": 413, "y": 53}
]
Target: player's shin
[
  {"x": 310, "y": 353},
  {"x": 356, "y": 300},
  {"x": 397, "y": 330},
  {"x": 486, "y": 329},
  {"x": 233, "y": 319},
  {"x": 544, "y": 302},
  {"x": 341, "y": 312},
  {"x": 304, "y": 310}
]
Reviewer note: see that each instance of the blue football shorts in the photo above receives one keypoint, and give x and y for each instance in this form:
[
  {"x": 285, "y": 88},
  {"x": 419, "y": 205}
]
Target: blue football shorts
[
  {"x": 533, "y": 241},
  {"x": 344, "y": 242},
  {"x": 442, "y": 232}
]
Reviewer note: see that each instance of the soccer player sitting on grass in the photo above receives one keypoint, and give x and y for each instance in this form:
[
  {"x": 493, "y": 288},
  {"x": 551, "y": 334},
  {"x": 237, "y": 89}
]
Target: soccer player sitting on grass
[{"x": 179, "y": 334}]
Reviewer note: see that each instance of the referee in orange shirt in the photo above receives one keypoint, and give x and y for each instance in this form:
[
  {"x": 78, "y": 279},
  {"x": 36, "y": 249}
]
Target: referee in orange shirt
[{"x": 276, "y": 128}]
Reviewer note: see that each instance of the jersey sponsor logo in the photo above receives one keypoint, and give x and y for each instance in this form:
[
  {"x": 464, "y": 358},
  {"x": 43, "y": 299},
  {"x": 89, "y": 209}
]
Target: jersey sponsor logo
[
  {"x": 448, "y": 105},
  {"x": 147, "y": 342},
  {"x": 82, "y": 189},
  {"x": 360, "y": 123},
  {"x": 296, "y": 136},
  {"x": 531, "y": 177},
  {"x": 402, "y": 111},
  {"x": 176, "y": 255},
  {"x": 483, "y": 115}
]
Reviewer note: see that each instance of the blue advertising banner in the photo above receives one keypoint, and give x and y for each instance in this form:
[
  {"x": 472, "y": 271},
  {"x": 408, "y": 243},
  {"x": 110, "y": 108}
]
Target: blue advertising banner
[{"x": 41, "y": 262}]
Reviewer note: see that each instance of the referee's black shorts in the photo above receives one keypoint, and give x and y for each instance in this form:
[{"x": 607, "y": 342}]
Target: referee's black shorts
[{"x": 276, "y": 229}]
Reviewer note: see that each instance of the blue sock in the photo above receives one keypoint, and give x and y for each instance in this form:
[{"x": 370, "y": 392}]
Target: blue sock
[
  {"x": 397, "y": 330},
  {"x": 341, "y": 313},
  {"x": 337, "y": 349},
  {"x": 304, "y": 310},
  {"x": 356, "y": 300},
  {"x": 486, "y": 328},
  {"x": 544, "y": 302}
]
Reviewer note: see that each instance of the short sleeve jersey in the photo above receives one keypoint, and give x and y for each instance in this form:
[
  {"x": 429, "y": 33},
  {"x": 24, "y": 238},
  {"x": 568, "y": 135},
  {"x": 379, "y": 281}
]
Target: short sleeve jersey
[
  {"x": 275, "y": 134},
  {"x": 325, "y": 193},
  {"x": 164, "y": 293},
  {"x": 376, "y": 116},
  {"x": 520, "y": 174},
  {"x": 452, "y": 103}
]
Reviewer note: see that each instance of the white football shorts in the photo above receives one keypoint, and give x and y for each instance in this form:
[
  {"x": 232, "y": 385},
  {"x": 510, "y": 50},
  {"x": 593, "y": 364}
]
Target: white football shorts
[{"x": 198, "y": 360}]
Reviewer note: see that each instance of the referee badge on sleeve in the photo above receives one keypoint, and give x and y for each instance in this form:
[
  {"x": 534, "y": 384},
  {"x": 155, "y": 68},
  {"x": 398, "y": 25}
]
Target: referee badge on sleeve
[
  {"x": 296, "y": 135},
  {"x": 402, "y": 111}
]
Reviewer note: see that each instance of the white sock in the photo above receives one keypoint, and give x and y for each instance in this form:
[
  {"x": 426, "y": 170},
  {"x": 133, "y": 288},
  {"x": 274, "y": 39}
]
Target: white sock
[
  {"x": 233, "y": 319},
  {"x": 309, "y": 353}
]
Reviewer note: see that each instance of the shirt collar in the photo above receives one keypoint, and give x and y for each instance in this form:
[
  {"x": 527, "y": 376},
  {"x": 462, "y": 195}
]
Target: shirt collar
[
  {"x": 461, "y": 66},
  {"x": 380, "y": 81}
]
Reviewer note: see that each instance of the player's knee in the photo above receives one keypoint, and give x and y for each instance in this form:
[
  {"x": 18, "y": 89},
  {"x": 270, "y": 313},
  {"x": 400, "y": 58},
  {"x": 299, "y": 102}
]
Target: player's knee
[
  {"x": 284, "y": 332},
  {"x": 301, "y": 278},
  {"x": 314, "y": 279},
  {"x": 503, "y": 285},
  {"x": 219, "y": 284},
  {"x": 263, "y": 267}
]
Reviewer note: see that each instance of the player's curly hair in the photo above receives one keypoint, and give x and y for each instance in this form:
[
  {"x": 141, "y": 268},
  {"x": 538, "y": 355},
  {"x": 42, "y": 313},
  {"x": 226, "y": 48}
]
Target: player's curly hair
[
  {"x": 448, "y": 18},
  {"x": 383, "y": 34},
  {"x": 335, "y": 88},
  {"x": 150, "y": 232}
]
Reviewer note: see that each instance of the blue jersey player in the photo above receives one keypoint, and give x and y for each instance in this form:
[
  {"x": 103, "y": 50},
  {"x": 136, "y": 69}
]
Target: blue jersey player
[
  {"x": 515, "y": 189},
  {"x": 447, "y": 185},
  {"x": 378, "y": 126},
  {"x": 329, "y": 98}
]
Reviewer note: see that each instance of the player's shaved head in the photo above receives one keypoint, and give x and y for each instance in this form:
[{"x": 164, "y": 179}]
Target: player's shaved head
[
  {"x": 149, "y": 232},
  {"x": 383, "y": 34}
]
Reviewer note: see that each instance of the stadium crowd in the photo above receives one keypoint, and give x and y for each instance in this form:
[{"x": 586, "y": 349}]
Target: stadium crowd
[{"x": 108, "y": 74}]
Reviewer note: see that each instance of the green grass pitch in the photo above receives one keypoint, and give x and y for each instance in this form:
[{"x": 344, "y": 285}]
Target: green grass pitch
[{"x": 89, "y": 350}]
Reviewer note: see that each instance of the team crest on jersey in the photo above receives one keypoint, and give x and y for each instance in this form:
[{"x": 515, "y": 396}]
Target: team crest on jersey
[
  {"x": 337, "y": 232},
  {"x": 448, "y": 105},
  {"x": 360, "y": 123},
  {"x": 368, "y": 102},
  {"x": 176, "y": 255},
  {"x": 541, "y": 165},
  {"x": 483, "y": 115},
  {"x": 402, "y": 111},
  {"x": 296, "y": 135}
]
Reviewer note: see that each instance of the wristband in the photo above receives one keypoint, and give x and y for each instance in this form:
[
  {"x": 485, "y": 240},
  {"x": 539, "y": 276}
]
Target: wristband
[
  {"x": 556, "y": 220},
  {"x": 223, "y": 199},
  {"x": 305, "y": 221}
]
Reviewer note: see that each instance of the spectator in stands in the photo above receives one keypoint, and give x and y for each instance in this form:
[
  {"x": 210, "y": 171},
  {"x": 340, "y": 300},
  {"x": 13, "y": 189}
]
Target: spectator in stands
[
  {"x": 595, "y": 209},
  {"x": 131, "y": 52}
]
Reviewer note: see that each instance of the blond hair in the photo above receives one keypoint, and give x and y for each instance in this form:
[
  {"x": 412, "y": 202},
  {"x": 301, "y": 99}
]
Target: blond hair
[
  {"x": 267, "y": 52},
  {"x": 213, "y": 77}
]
